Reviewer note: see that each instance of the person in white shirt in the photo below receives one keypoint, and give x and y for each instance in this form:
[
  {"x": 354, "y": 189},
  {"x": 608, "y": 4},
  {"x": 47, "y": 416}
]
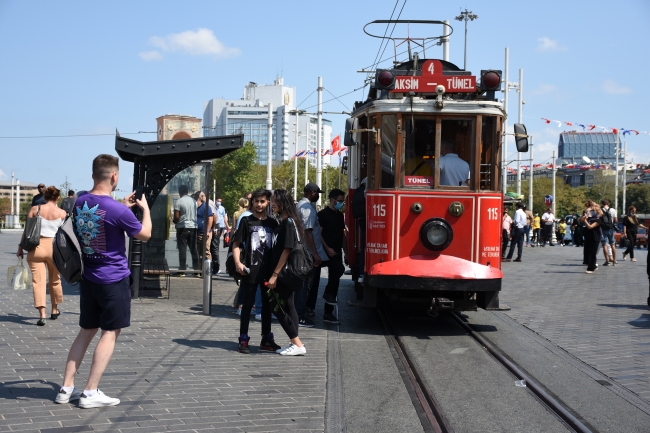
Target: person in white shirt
[
  {"x": 453, "y": 170},
  {"x": 518, "y": 237},
  {"x": 548, "y": 219}
]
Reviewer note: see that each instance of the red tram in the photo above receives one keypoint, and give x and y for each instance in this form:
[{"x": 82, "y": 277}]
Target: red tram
[{"x": 428, "y": 236}]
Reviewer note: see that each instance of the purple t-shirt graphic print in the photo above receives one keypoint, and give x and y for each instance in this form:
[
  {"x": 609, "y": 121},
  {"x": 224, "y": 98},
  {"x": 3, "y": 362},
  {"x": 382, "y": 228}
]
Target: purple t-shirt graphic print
[{"x": 101, "y": 223}]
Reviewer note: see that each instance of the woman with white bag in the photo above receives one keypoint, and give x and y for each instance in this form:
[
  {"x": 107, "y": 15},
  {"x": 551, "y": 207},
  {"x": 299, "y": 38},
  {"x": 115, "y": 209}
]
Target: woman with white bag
[{"x": 40, "y": 258}]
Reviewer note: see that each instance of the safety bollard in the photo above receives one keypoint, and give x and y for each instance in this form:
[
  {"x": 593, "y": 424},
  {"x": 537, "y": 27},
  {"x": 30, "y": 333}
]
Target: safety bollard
[{"x": 207, "y": 287}]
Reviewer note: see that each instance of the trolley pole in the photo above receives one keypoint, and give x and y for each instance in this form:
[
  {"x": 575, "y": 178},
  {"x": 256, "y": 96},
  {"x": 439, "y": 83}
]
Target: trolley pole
[
  {"x": 530, "y": 177},
  {"x": 553, "y": 171},
  {"x": 520, "y": 89},
  {"x": 269, "y": 151},
  {"x": 624, "y": 174},
  {"x": 505, "y": 128},
  {"x": 319, "y": 141},
  {"x": 616, "y": 175}
]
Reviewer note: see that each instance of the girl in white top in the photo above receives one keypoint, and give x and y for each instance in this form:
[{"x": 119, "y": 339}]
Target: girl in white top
[{"x": 40, "y": 258}]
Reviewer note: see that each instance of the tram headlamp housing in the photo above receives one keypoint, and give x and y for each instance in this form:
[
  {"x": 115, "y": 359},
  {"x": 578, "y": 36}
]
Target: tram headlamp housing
[
  {"x": 436, "y": 234},
  {"x": 385, "y": 79}
]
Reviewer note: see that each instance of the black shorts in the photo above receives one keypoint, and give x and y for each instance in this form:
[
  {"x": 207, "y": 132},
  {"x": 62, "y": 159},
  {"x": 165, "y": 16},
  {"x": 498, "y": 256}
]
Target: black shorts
[{"x": 105, "y": 306}]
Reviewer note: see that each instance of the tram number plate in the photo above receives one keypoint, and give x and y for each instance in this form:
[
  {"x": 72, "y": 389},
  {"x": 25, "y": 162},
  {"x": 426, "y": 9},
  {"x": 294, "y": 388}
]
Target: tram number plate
[
  {"x": 378, "y": 210},
  {"x": 493, "y": 213}
]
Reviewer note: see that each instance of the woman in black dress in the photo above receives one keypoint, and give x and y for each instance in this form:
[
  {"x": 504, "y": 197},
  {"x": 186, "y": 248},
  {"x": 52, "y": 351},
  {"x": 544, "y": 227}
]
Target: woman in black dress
[
  {"x": 631, "y": 226},
  {"x": 284, "y": 238},
  {"x": 592, "y": 233}
]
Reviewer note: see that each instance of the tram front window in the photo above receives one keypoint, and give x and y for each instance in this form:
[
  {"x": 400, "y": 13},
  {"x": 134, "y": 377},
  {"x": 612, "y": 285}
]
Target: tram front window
[
  {"x": 420, "y": 152},
  {"x": 455, "y": 152}
]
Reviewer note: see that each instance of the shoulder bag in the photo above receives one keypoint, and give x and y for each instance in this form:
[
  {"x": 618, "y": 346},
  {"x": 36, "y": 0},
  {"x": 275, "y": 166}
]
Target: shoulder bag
[
  {"x": 299, "y": 264},
  {"x": 32, "y": 235}
]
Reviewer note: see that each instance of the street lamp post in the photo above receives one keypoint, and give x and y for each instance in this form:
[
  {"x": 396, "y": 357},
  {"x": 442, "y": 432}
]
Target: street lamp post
[{"x": 466, "y": 16}]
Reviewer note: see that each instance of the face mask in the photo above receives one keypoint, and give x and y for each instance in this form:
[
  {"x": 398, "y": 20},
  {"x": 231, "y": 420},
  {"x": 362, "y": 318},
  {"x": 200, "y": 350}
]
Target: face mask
[
  {"x": 218, "y": 203},
  {"x": 338, "y": 205}
]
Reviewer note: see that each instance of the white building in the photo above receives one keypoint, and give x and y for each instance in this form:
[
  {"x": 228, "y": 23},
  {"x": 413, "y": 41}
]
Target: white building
[{"x": 249, "y": 115}]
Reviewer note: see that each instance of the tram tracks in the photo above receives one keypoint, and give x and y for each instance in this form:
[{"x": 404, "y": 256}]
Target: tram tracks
[{"x": 429, "y": 411}]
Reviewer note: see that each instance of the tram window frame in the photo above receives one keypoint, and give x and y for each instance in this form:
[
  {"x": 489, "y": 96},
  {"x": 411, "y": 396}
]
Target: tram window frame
[
  {"x": 468, "y": 147},
  {"x": 489, "y": 130},
  {"x": 388, "y": 145},
  {"x": 372, "y": 152}
]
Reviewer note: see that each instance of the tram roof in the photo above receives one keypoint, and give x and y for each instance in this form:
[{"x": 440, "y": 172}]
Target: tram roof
[{"x": 423, "y": 105}]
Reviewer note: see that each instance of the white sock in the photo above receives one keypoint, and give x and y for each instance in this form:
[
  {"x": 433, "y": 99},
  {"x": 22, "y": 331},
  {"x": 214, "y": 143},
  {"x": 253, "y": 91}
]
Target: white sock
[
  {"x": 68, "y": 389},
  {"x": 89, "y": 393}
]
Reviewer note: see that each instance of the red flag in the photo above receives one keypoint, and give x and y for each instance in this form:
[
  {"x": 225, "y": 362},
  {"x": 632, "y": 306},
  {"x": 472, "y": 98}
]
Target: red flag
[
  {"x": 615, "y": 130},
  {"x": 336, "y": 144},
  {"x": 546, "y": 120},
  {"x": 591, "y": 127},
  {"x": 569, "y": 123}
]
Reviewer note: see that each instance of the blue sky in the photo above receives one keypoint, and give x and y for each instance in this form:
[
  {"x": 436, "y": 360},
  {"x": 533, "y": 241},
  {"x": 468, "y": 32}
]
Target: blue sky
[{"x": 76, "y": 67}]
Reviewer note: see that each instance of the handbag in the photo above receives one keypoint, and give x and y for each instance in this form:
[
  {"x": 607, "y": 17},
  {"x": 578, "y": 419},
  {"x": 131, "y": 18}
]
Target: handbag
[
  {"x": 18, "y": 277},
  {"x": 299, "y": 264},
  {"x": 32, "y": 235}
]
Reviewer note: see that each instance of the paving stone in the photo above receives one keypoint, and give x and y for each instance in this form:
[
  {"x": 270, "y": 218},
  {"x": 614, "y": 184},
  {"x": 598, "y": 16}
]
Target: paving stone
[{"x": 601, "y": 318}]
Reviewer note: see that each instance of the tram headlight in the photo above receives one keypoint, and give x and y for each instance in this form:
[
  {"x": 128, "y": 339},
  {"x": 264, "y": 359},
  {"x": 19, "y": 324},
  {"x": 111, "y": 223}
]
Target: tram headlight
[
  {"x": 436, "y": 234},
  {"x": 385, "y": 79}
]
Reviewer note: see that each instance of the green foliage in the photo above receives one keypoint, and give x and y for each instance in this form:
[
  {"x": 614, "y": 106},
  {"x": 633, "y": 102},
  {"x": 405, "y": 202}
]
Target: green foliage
[
  {"x": 238, "y": 174},
  {"x": 637, "y": 196},
  {"x": 567, "y": 199},
  {"x": 275, "y": 298},
  {"x": 235, "y": 175},
  {"x": 5, "y": 206}
]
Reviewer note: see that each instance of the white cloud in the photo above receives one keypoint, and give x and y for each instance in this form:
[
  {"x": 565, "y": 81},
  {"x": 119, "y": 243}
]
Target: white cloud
[
  {"x": 613, "y": 88},
  {"x": 150, "y": 55},
  {"x": 196, "y": 43},
  {"x": 3, "y": 175},
  {"x": 548, "y": 44},
  {"x": 544, "y": 89}
]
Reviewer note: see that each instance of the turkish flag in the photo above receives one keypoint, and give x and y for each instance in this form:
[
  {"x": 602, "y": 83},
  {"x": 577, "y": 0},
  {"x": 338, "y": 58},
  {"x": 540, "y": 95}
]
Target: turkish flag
[{"x": 336, "y": 144}]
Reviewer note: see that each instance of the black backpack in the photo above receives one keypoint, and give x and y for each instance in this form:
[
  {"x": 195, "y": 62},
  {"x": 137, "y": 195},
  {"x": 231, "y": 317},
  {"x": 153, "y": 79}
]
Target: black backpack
[
  {"x": 299, "y": 264},
  {"x": 66, "y": 252},
  {"x": 606, "y": 222},
  {"x": 359, "y": 202}
]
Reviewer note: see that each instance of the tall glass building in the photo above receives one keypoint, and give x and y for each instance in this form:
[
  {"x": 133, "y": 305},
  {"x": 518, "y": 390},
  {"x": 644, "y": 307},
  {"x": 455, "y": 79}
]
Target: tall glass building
[
  {"x": 249, "y": 116},
  {"x": 600, "y": 147}
]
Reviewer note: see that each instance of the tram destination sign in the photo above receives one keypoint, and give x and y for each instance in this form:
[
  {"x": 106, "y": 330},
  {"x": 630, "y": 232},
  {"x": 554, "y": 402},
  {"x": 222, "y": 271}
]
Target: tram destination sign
[{"x": 431, "y": 77}]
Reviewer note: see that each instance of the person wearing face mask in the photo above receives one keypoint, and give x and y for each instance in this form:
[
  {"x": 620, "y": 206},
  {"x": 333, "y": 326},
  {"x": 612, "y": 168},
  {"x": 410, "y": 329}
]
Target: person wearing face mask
[
  {"x": 306, "y": 298},
  {"x": 333, "y": 239},
  {"x": 631, "y": 226}
]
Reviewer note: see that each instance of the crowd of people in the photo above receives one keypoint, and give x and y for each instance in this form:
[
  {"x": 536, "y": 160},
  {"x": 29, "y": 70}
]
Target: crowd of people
[{"x": 593, "y": 230}]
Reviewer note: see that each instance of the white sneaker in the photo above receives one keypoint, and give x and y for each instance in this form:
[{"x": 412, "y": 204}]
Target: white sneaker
[
  {"x": 65, "y": 397},
  {"x": 98, "y": 400},
  {"x": 258, "y": 317},
  {"x": 282, "y": 349},
  {"x": 294, "y": 350}
]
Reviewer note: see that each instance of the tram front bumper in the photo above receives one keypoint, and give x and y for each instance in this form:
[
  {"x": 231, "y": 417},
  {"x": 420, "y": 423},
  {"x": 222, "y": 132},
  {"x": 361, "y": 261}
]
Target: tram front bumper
[{"x": 438, "y": 272}]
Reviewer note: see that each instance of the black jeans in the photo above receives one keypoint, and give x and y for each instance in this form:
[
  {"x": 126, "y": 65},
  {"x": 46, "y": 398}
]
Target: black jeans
[
  {"x": 504, "y": 243},
  {"x": 517, "y": 239},
  {"x": 591, "y": 249},
  {"x": 286, "y": 313},
  {"x": 186, "y": 238},
  {"x": 631, "y": 240},
  {"x": 547, "y": 234},
  {"x": 249, "y": 291},
  {"x": 214, "y": 251},
  {"x": 335, "y": 267}
]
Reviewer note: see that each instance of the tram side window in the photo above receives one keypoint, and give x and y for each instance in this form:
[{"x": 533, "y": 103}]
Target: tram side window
[
  {"x": 388, "y": 148},
  {"x": 455, "y": 152},
  {"x": 487, "y": 166},
  {"x": 419, "y": 151}
]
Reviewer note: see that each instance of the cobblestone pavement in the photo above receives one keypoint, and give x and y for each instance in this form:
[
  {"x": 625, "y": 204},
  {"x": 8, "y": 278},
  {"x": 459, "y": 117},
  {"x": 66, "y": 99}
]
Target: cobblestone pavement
[
  {"x": 602, "y": 318},
  {"x": 174, "y": 369}
]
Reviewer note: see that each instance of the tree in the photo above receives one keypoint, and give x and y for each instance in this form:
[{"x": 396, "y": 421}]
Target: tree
[
  {"x": 637, "y": 196},
  {"x": 567, "y": 199},
  {"x": 237, "y": 174}
]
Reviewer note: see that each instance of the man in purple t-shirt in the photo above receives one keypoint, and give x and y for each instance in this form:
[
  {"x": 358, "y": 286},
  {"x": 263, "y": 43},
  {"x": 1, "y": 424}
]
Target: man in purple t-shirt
[{"x": 105, "y": 291}]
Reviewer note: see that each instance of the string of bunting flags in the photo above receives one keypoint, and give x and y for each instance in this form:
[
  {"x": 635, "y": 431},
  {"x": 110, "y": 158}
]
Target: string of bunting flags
[
  {"x": 335, "y": 150},
  {"x": 590, "y": 127}
]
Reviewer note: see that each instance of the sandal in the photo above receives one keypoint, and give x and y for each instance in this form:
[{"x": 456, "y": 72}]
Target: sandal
[
  {"x": 41, "y": 322},
  {"x": 55, "y": 316}
]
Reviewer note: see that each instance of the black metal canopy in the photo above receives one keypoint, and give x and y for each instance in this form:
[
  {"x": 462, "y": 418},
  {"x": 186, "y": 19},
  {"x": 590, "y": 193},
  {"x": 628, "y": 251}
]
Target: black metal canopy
[{"x": 199, "y": 148}]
